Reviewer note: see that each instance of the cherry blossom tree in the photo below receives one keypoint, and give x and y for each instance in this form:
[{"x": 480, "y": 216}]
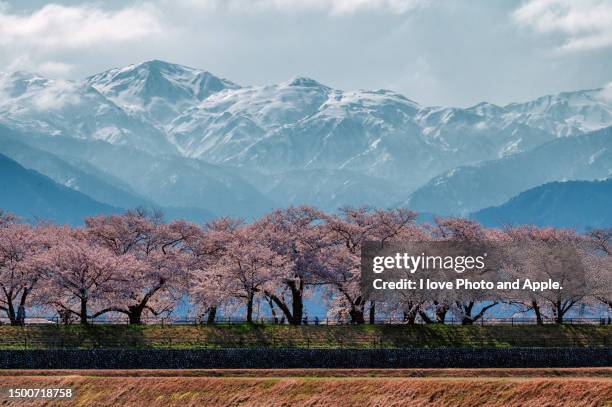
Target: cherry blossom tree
[
  {"x": 600, "y": 265},
  {"x": 208, "y": 284},
  {"x": 469, "y": 306},
  {"x": 6, "y": 218},
  {"x": 340, "y": 259},
  {"x": 297, "y": 234},
  {"x": 81, "y": 275},
  {"x": 250, "y": 266},
  {"x": 20, "y": 273},
  {"x": 538, "y": 258},
  {"x": 137, "y": 265},
  {"x": 157, "y": 276}
]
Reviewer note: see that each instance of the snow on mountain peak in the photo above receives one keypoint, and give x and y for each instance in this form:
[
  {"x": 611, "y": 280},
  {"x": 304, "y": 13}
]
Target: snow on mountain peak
[
  {"x": 158, "y": 89},
  {"x": 304, "y": 82},
  {"x": 566, "y": 113},
  {"x": 73, "y": 109},
  {"x": 487, "y": 109}
]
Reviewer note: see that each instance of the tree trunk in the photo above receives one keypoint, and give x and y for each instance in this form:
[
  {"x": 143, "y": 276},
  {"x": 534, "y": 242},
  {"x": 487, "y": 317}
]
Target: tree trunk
[
  {"x": 212, "y": 315},
  {"x": 21, "y": 315},
  {"x": 293, "y": 315},
  {"x": 135, "y": 311},
  {"x": 441, "y": 310},
  {"x": 410, "y": 318},
  {"x": 538, "y": 313},
  {"x": 64, "y": 316},
  {"x": 249, "y": 315},
  {"x": 10, "y": 313},
  {"x": 135, "y": 314},
  {"x": 425, "y": 317},
  {"x": 467, "y": 314},
  {"x": 10, "y": 309},
  {"x": 372, "y": 312},
  {"x": 356, "y": 315},
  {"x": 297, "y": 305},
  {"x": 558, "y": 311},
  {"x": 272, "y": 310},
  {"x": 411, "y": 313},
  {"x": 83, "y": 314},
  {"x": 21, "y": 311}
]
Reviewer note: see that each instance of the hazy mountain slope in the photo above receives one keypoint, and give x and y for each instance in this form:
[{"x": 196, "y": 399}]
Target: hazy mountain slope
[
  {"x": 88, "y": 179},
  {"x": 468, "y": 189},
  {"x": 69, "y": 175},
  {"x": 328, "y": 189},
  {"x": 32, "y": 196},
  {"x": 169, "y": 181},
  {"x": 574, "y": 204}
]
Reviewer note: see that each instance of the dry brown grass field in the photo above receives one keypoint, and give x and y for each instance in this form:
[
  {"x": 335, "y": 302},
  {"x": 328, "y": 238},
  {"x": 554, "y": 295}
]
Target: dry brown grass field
[{"x": 320, "y": 387}]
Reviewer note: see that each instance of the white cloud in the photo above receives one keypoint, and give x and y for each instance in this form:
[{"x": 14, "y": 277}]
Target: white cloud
[
  {"x": 69, "y": 27},
  {"x": 54, "y": 68},
  {"x": 606, "y": 93},
  {"x": 332, "y": 7},
  {"x": 584, "y": 25},
  {"x": 57, "y": 95}
]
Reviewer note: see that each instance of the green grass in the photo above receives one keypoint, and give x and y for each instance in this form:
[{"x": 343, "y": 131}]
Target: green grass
[{"x": 310, "y": 336}]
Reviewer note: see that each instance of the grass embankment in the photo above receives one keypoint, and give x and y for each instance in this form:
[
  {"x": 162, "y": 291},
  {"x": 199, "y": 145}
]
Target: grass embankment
[
  {"x": 580, "y": 389},
  {"x": 529, "y": 372},
  {"x": 310, "y": 336}
]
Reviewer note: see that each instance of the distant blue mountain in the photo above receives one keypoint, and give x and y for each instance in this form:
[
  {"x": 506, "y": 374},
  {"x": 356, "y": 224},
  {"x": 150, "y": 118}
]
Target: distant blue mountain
[
  {"x": 176, "y": 136},
  {"x": 575, "y": 204},
  {"x": 80, "y": 176},
  {"x": 31, "y": 195},
  {"x": 468, "y": 189},
  {"x": 83, "y": 177}
]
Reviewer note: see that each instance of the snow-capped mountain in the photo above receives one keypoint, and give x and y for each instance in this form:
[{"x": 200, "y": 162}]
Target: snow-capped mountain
[
  {"x": 159, "y": 90},
  {"x": 565, "y": 114},
  {"x": 174, "y": 117},
  {"x": 227, "y": 123},
  {"x": 302, "y": 124},
  {"x": 61, "y": 108},
  {"x": 295, "y": 124}
]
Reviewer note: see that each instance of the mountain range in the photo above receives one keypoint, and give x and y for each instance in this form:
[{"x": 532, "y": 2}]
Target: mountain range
[
  {"x": 36, "y": 197},
  {"x": 469, "y": 188},
  {"x": 163, "y": 134},
  {"x": 581, "y": 205}
]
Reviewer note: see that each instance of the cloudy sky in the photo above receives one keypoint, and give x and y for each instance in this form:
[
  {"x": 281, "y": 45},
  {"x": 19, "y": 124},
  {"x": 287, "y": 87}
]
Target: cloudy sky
[{"x": 442, "y": 52}]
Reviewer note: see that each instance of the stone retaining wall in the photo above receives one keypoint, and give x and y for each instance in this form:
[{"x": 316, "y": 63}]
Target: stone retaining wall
[{"x": 303, "y": 358}]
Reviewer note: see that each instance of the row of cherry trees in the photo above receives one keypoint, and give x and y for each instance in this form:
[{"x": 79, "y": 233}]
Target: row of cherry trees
[{"x": 137, "y": 265}]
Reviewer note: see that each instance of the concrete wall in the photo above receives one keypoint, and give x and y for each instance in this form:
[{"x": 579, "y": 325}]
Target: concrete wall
[{"x": 303, "y": 358}]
